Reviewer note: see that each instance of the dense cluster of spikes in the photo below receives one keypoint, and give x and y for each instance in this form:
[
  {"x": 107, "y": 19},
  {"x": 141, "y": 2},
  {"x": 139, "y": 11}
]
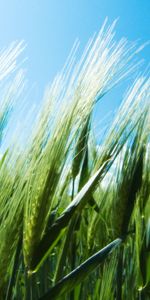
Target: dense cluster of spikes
[{"x": 66, "y": 201}]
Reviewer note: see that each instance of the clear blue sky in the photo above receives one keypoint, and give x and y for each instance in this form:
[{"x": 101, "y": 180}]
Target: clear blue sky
[{"x": 50, "y": 28}]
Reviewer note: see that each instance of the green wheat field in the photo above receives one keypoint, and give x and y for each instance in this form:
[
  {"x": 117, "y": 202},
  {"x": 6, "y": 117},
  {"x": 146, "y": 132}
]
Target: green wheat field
[{"x": 75, "y": 212}]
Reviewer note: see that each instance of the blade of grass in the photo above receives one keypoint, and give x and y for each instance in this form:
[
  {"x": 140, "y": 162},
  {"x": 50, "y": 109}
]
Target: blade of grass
[
  {"x": 53, "y": 233},
  {"x": 79, "y": 274}
]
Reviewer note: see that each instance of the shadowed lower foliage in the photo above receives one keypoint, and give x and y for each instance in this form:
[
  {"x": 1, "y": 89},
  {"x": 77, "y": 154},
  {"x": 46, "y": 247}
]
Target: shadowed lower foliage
[{"x": 67, "y": 199}]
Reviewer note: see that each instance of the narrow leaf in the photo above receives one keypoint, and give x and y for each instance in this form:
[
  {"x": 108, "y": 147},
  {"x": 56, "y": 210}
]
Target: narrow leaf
[
  {"x": 52, "y": 235},
  {"x": 70, "y": 281}
]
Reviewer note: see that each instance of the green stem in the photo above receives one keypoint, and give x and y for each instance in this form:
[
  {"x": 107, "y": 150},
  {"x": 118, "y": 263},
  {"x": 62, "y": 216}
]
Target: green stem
[
  {"x": 119, "y": 275},
  {"x": 9, "y": 294}
]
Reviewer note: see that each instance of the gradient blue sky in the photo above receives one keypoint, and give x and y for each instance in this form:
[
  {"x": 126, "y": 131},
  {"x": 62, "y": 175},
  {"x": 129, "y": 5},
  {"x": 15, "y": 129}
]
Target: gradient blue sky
[{"x": 50, "y": 28}]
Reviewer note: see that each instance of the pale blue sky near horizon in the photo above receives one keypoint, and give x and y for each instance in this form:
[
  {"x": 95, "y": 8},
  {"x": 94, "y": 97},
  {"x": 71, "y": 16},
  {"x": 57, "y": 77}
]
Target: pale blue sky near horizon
[{"x": 49, "y": 28}]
